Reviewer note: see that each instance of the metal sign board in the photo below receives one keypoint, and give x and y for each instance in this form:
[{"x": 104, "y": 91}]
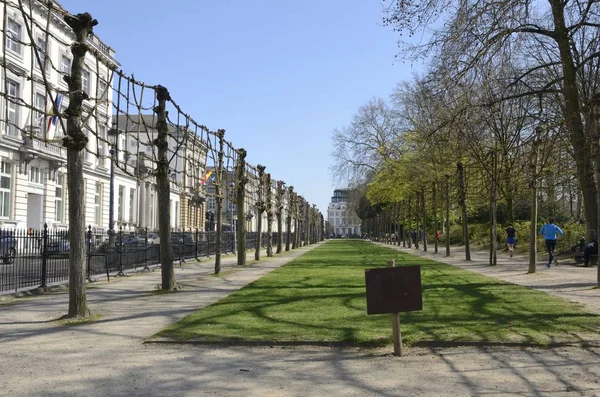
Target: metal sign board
[{"x": 393, "y": 289}]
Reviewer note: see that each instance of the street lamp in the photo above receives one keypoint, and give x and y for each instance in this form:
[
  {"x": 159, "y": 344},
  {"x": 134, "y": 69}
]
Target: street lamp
[{"x": 113, "y": 140}]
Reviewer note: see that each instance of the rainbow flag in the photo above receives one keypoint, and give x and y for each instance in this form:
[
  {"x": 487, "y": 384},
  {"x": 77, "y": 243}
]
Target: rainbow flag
[{"x": 54, "y": 111}]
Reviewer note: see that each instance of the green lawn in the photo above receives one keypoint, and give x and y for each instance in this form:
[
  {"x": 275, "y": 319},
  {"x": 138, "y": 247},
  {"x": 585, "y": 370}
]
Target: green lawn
[{"x": 320, "y": 297}]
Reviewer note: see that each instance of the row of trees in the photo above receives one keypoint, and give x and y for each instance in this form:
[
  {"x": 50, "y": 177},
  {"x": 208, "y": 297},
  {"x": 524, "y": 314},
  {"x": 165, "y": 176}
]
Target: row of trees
[
  {"x": 504, "y": 116},
  {"x": 168, "y": 136}
]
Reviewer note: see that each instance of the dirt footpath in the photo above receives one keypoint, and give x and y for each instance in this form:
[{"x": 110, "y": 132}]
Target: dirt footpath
[{"x": 39, "y": 357}]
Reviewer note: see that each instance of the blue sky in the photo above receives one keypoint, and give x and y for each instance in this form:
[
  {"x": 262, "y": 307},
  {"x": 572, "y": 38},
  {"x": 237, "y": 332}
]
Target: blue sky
[{"x": 273, "y": 74}]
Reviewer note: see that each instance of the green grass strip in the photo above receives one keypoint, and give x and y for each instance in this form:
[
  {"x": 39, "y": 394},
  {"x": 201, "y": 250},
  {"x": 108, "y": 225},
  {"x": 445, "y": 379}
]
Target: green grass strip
[{"x": 320, "y": 297}]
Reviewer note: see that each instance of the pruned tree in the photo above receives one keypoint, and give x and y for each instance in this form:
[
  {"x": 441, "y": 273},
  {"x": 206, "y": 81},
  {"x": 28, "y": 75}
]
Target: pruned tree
[
  {"x": 75, "y": 142},
  {"x": 269, "y": 210},
  {"x": 280, "y": 198},
  {"x": 288, "y": 216},
  {"x": 241, "y": 179},
  {"x": 260, "y": 208}
]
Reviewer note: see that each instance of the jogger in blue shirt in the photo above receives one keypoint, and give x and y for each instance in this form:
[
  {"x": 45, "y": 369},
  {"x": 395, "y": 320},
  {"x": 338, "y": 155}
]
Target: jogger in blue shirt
[{"x": 551, "y": 232}]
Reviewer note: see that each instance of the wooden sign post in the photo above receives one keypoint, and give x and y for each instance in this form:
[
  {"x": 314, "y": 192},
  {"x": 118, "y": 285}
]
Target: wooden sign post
[
  {"x": 393, "y": 290},
  {"x": 396, "y": 333}
]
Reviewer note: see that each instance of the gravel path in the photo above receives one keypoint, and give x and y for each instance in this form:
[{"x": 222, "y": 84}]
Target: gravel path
[{"x": 39, "y": 357}]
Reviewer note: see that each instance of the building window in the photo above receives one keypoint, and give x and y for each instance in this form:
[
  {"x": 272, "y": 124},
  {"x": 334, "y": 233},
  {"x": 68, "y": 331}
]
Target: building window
[
  {"x": 5, "y": 179},
  {"x": 101, "y": 139},
  {"x": 131, "y": 204},
  {"x": 101, "y": 88},
  {"x": 98, "y": 204},
  {"x": 41, "y": 50},
  {"x": 65, "y": 64},
  {"x": 85, "y": 81},
  {"x": 58, "y": 131},
  {"x": 120, "y": 203},
  {"x": 13, "y": 108},
  {"x": 35, "y": 175},
  {"x": 39, "y": 114},
  {"x": 58, "y": 199},
  {"x": 101, "y": 144},
  {"x": 13, "y": 36}
]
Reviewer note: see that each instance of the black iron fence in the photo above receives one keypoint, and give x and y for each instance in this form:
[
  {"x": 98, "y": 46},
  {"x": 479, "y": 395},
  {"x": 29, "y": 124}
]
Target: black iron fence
[{"x": 38, "y": 258}]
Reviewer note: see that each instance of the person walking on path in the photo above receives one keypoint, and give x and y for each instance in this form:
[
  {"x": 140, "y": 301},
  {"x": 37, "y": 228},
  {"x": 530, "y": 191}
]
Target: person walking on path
[
  {"x": 511, "y": 236},
  {"x": 551, "y": 232}
]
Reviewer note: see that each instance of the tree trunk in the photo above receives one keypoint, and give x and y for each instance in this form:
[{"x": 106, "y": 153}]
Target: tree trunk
[
  {"x": 579, "y": 206},
  {"x": 398, "y": 223},
  {"x": 269, "y": 209},
  {"x": 403, "y": 227},
  {"x": 424, "y": 217},
  {"x": 288, "y": 216},
  {"x": 75, "y": 142},
  {"x": 163, "y": 190},
  {"x": 260, "y": 208},
  {"x": 582, "y": 150},
  {"x": 534, "y": 203},
  {"x": 280, "y": 195},
  {"x": 435, "y": 220},
  {"x": 409, "y": 222},
  {"x": 447, "y": 215},
  {"x": 240, "y": 187},
  {"x": 288, "y": 231},
  {"x": 219, "y": 202},
  {"x": 295, "y": 239},
  {"x": 279, "y": 232},
  {"x": 462, "y": 201},
  {"x": 258, "y": 236},
  {"x": 417, "y": 218},
  {"x": 494, "y": 211}
]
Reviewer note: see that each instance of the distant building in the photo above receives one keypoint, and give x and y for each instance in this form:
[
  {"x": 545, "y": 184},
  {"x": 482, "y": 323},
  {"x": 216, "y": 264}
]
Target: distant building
[{"x": 342, "y": 219}]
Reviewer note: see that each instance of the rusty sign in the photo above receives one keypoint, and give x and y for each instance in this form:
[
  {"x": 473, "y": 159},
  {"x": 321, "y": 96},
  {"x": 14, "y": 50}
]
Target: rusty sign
[{"x": 393, "y": 289}]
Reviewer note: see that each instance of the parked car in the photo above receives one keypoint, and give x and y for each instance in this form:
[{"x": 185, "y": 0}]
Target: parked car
[
  {"x": 126, "y": 241},
  {"x": 8, "y": 249},
  {"x": 183, "y": 238},
  {"x": 153, "y": 238},
  {"x": 57, "y": 245}
]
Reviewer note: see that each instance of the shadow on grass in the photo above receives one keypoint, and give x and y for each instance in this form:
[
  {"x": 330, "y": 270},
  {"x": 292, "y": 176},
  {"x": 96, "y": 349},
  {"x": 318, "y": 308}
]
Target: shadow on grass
[{"x": 320, "y": 298}]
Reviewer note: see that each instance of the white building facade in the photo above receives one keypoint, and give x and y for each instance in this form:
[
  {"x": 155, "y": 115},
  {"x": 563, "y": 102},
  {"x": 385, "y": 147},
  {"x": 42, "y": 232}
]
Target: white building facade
[
  {"x": 33, "y": 187},
  {"x": 342, "y": 219}
]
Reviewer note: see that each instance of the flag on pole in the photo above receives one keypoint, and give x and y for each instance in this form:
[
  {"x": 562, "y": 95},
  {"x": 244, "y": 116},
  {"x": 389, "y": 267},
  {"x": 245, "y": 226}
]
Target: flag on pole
[
  {"x": 54, "y": 110},
  {"x": 206, "y": 178}
]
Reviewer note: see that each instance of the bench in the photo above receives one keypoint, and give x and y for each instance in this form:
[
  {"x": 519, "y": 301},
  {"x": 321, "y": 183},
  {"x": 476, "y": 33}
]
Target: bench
[{"x": 578, "y": 257}]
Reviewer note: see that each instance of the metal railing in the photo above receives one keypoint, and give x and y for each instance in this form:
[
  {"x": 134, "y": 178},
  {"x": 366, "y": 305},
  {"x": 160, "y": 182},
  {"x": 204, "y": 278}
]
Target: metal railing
[{"x": 38, "y": 258}]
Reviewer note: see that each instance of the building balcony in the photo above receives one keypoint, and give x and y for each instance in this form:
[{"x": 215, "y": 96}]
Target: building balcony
[{"x": 33, "y": 143}]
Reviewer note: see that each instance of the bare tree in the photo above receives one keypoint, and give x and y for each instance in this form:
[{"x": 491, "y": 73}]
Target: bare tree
[{"x": 371, "y": 137}]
